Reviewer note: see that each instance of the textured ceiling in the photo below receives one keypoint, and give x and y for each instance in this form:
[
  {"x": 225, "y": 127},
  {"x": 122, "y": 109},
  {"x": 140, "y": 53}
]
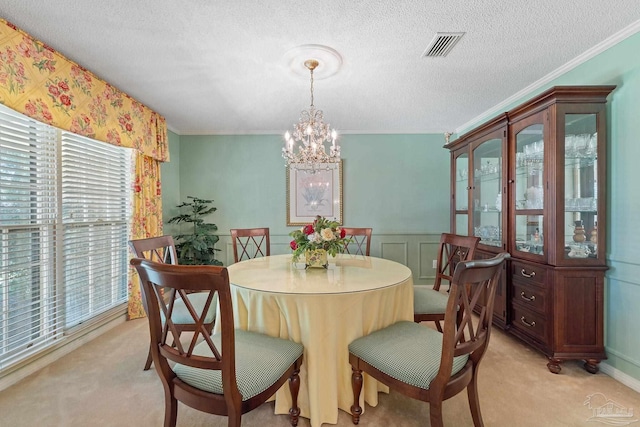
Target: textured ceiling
[{"x": 216, "y": 67}]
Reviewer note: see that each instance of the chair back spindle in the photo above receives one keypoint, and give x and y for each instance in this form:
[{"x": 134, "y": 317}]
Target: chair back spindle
[
  {"x": 359, "y": 240},
  {"x": 464, "y": 332},
  {"x": 452, "y": 250},
  {"x": 250, "y": 243},
  {"x": 430, "y": 304},
  {"x": 168, "y": 286},
  {"x": 162, "y": 250}
]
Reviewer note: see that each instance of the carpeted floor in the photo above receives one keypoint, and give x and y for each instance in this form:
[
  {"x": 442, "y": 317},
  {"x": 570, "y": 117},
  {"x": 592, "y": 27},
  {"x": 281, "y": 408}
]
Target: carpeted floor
[{"x": 103, "y": 384}]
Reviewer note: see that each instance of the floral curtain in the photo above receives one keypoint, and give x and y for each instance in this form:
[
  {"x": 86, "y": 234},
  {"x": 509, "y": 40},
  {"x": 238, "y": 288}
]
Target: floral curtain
[
  {"x": 147, "y": 218},
  {"x": 41, "y": 83}
]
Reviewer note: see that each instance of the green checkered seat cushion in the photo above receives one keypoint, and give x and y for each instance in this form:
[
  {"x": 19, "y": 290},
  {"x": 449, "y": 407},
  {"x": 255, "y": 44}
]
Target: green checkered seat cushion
[
  {"x": 405, "y": 351},
  {"x": 260, "y": 361},
  {"x": 198, "y": 299},
  {"x": 428, "y": 301}
]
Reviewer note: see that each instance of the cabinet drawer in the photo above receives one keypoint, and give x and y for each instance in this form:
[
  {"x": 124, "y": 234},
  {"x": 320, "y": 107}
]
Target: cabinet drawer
[
  {"x": 530, "y": 323},
  {"x": 528, "y": 272},
  {"x": 532, "y": 297}
]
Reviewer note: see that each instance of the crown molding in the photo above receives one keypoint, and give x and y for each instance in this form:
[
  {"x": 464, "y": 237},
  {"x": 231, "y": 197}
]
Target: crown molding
[{"x": 578, "y": 60}]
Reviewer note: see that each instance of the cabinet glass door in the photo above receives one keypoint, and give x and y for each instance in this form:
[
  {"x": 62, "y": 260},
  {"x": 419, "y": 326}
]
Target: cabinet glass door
[
  {"x": 486, "y": 192},
  {"x": 581, "y": 186},
  {"x": 462, "y": 195},
  {"x": 529, "y": 190}
]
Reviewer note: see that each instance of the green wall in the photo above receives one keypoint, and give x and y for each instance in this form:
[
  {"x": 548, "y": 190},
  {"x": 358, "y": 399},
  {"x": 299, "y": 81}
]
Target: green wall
[
  {"x": 398, "y": 184},
  {"x": 387, "y": 181}
]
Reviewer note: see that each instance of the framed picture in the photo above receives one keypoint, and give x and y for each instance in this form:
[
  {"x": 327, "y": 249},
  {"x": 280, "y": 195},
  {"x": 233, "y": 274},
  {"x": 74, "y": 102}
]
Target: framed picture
[{"x": 312, "y": 192}]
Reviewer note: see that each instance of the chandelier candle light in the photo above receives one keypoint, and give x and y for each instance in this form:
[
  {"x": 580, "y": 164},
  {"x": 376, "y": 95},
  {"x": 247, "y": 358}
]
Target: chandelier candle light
[{"x": 310, "y": 135}]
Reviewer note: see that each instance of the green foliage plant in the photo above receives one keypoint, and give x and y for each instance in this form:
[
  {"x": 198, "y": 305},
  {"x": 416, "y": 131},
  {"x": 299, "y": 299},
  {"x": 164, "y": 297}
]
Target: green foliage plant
[{"x": 197, "y": 247}]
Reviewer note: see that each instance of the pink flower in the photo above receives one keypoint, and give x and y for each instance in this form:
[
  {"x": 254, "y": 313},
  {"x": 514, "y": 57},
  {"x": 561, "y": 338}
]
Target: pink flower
[
  {"x": 293, "y": 245},
  {"x": 46, "y": 115},
  {"x": 65, "y": 100},
  {"x": 308, "y": 229},
  {"x": 30, "y": 108}
]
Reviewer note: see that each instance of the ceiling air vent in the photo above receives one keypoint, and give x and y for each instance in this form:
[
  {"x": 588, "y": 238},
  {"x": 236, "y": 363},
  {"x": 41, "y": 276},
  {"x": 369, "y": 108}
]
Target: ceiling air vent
[{"x": 442, "y": 44}]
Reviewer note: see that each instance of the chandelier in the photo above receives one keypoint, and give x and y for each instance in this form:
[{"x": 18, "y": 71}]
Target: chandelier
[{"x": 305, "y": 148}]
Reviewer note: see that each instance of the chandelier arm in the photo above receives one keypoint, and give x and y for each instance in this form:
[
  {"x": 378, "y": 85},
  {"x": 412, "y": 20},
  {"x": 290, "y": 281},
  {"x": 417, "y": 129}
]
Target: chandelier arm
[{"x": 312, "y": 88}]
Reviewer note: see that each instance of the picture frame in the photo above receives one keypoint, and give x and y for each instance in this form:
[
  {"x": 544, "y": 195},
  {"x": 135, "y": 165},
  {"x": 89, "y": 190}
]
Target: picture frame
[{"x": 312, "y": 192}]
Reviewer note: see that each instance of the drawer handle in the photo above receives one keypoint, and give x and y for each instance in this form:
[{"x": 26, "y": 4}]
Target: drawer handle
[
  {"x": 525, "y": 297},
  {"x": 531, "y": 325},
  {"x": 524, "y": 273}
]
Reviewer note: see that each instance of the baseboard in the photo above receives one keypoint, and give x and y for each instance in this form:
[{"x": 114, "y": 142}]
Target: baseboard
[
  {"x": 69, "y": 343},
  {"x": 620, "y": 376}
]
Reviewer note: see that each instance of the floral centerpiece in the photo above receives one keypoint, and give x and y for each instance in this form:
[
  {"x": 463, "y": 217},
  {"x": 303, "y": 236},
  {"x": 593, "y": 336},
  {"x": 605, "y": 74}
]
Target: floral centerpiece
[{"x": 322, "y": 234}]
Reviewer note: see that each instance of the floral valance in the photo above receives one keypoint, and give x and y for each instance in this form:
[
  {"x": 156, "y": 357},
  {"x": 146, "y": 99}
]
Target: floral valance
[{"x": 43, "y": 84}]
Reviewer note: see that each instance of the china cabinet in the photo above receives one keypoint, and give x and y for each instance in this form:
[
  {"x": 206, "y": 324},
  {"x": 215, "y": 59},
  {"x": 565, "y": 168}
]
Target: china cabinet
[{"x": 532, "y": 182}]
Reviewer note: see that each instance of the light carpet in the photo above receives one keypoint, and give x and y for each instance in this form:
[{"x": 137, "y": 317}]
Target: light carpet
[{"x": 103, "y": 384}]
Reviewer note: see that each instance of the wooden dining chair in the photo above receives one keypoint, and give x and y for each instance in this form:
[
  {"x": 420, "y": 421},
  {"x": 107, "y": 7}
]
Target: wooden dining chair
[
  {"x": 163, "y": 250},
  {"x": 359, "y": 242},
  {"x": 250, "y": 243},
  {"x": 228, "y": 373},
  {"x": 430, "y": 304},
  {"x": 429, "y": 365}
]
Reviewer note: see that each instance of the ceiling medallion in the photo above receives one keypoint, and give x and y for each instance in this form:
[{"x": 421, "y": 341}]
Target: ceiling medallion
[{"x": 329, "y": 60}]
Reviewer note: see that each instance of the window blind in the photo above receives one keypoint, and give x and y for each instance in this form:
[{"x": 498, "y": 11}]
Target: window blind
[
  {"x": 96, "y": 211},
  {"x": 65, "y": 213},
  {"x": 28, "y": 213}
]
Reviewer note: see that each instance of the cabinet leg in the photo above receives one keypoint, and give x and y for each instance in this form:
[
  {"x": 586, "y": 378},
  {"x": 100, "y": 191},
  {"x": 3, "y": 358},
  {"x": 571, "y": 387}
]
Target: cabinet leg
[
  {"x": 554, "y": 365},
  {"x": 591, "y": 366}
]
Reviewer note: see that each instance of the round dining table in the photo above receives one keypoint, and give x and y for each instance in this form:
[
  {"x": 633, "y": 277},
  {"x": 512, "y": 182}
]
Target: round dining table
[{"x": 324, "y": 309}]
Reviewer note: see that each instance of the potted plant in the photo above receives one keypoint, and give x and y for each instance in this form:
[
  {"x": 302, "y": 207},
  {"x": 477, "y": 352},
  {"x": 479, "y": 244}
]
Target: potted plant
[{"x": 197, "y": 247}]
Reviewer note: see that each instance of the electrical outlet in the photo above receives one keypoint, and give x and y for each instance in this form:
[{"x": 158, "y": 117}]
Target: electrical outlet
[{"x": 435, "y": 264}]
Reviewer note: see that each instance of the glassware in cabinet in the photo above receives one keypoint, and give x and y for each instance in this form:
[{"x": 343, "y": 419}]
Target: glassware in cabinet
[
  {"x": 528, "y": 194},
  {"x": 581, "y": 186},
  {"x": 461, "y": 194},
  {"x": 486, "y": 192}
]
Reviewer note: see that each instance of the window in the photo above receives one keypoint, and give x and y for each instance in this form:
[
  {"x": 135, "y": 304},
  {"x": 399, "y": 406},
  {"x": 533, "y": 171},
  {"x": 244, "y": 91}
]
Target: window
[{"x": 65, "y": 209}]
